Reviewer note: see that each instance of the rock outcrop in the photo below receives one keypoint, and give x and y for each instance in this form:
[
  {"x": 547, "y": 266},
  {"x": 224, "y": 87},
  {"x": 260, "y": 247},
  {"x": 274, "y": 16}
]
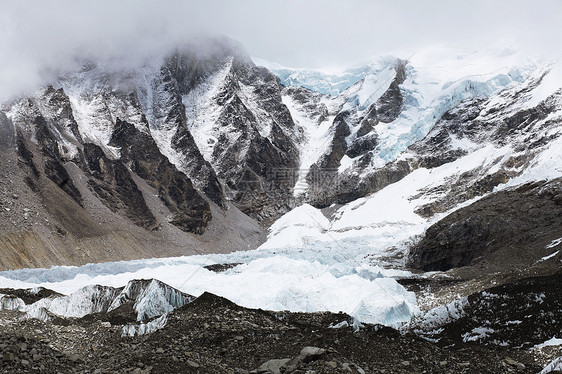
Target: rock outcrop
[
  {"x": 140, "y": 153},
  {"x": 520, "y": 223}
]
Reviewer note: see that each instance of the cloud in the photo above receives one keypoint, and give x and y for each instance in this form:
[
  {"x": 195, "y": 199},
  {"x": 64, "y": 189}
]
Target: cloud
[{"x": 38, "y": 36}]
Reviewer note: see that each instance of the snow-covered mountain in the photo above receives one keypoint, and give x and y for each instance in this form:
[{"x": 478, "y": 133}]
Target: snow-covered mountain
[{"x": 358, "y": 177}]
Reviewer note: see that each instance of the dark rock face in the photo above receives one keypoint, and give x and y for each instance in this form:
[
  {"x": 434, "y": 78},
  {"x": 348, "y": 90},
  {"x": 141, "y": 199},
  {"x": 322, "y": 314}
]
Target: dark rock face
[
  {"x": 192, "y": 63},
  {"x": 362, "y": 145},
  {"x": 365, "y": 139},
  {"x": 25, "y": 158},
  {"x": 524, "y": 119},
  {"x": 58, "y": 103},
  {"x": 56, "y": 172},
  {"x": 51, "y": 159},
  {"x": 53, "y": 168},
  {"x": 368, "y": 122},
  {"x": 323, "y": 176},
  {"x": 390, "y": 173},
  {"x": 140, "y": 152},
  {"x": 339, "y": 143},
  {"x": 168, "y": 112},
  {"x": 48, "y": 178},
  {"x": 7, "y": 132},
  {"x": 52, "y": 127},
  {"x": 344, "y": 188},
  {"x": 113, "y": 184},
  {"x": 466, "y": 187},
  {"x": 391, "y": 102},
  {"x": 310, "y": 100},
  {"x": 201, "y": 172},
  {"x": 252, "y": 139},
  {"x": 523, "y": 221}
]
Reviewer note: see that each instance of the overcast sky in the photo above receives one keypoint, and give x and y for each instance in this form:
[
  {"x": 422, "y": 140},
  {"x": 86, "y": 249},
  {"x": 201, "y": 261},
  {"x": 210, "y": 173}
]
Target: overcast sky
[{"x": 42, "y": 34}]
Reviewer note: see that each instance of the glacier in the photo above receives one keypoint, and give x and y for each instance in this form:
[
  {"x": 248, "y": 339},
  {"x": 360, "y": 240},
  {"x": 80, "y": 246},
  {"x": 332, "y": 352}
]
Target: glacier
[
  {"x": 437, "y": 79},
  {"x": 151, "y": 298},
  {"x": 330, "y": 82},
  {"x": 310, "y": 275},
  {"x": 265, "y": 279}
]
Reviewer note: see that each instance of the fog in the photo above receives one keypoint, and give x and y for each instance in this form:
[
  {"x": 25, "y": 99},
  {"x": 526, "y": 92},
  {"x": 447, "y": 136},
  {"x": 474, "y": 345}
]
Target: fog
[{"x": 39, "y": 37}]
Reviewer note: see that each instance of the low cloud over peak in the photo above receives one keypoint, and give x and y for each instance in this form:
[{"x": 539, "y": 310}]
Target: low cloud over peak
[{"x": 41, "y": 36}]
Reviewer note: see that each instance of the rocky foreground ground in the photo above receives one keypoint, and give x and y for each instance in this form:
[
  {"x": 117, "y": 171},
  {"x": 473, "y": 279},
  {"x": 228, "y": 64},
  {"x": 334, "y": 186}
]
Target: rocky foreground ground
[{"x": 214, "y": 335}]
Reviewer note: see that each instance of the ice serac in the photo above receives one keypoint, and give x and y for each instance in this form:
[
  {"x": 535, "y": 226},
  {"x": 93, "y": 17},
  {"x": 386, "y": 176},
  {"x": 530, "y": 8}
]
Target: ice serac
[
  {"x": 330, "y": 82},
  {"x": 553, "y": 366},
  {"x": 147, "y": 299},
  {"x": 145, "y": 328},
  {"x": 10, "y": 302},
  {"x": 150, "y": 298},
  {"x": 325, "y": 277},
  {"x": 88, "y": 300}
]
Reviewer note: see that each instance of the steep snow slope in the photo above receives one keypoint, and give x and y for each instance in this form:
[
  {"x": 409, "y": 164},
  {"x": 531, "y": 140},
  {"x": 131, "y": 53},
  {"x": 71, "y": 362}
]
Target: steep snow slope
[
  {"x": 313, "y": 114},
  {"x": 202, "y": 115},
  {"x": 97, "y": 99},
  {"x": 436, "y": 80},
  {"x": 377, "y": 225}
]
